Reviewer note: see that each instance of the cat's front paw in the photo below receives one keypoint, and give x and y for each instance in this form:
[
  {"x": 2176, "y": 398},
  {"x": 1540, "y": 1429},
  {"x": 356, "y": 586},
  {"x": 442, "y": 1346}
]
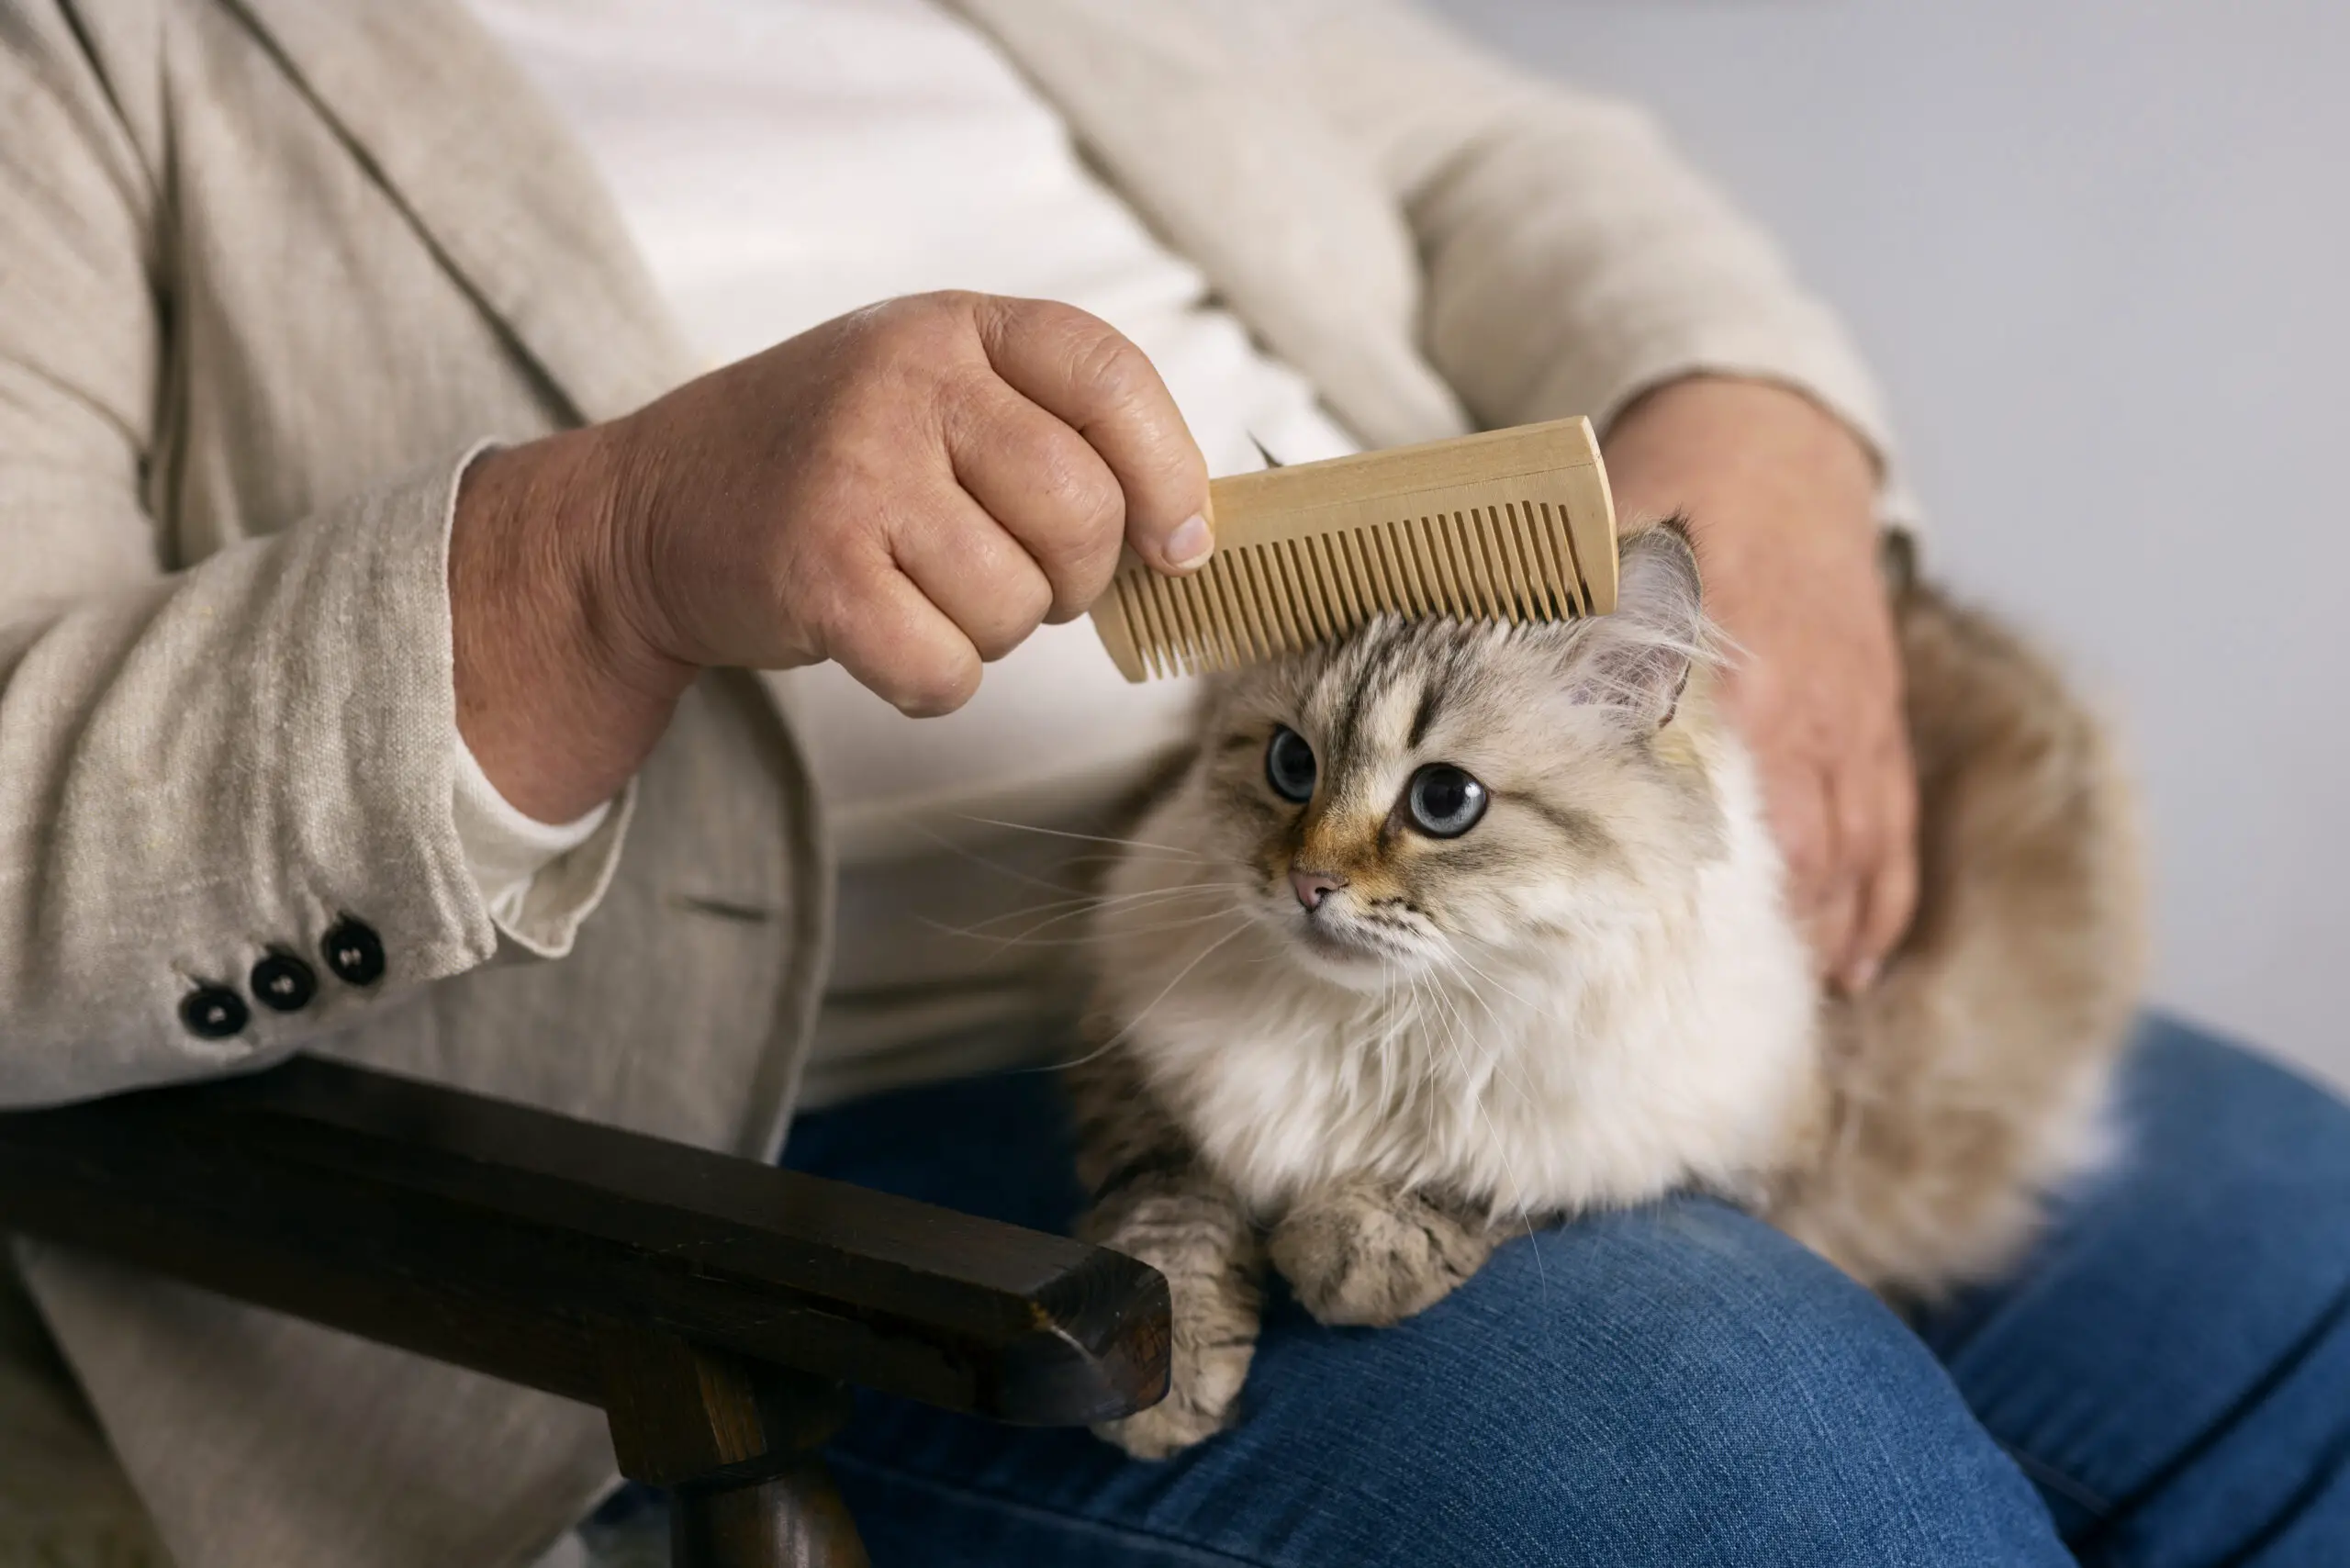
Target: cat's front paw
[
  {"x": 1203, "y": 1397},
  {"x": 1202, "y": 1244},
  {"x": 1368, "y": 1257}
]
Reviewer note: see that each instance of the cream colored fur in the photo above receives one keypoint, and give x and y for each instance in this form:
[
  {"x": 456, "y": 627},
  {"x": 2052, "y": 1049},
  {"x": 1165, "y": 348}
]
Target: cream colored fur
[
  {"x": 1640, "y": 1044},
  {"x": 1594, "y": 996}
]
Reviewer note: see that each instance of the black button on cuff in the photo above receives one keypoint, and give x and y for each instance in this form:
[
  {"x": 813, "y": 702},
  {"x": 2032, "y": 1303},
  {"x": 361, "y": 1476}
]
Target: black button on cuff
[
  {"x": 353, "y": 952},
  {"x": 284, "y": 983},
  {"x": 213, "y": 1012}
]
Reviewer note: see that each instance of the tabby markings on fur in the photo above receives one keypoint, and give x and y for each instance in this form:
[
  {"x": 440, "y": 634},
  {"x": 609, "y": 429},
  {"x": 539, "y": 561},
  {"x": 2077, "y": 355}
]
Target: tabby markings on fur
[{"x": 1451, "y": 929}]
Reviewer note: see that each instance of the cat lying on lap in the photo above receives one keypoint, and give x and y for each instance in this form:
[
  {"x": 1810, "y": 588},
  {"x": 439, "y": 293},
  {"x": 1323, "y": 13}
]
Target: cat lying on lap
[{"x": 1450, "y": 930}]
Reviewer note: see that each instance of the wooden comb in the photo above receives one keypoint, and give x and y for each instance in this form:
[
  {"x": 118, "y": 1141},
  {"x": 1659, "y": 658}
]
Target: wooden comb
[{"x": 1509, "y": 525}]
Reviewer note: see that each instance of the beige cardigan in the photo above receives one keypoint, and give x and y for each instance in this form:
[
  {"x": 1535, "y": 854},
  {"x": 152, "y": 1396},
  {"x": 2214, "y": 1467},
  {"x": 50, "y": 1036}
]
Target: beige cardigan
[{"x": 268, "y": 270}]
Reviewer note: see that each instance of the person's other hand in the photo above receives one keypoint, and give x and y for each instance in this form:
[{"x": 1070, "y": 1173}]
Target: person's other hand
[
  {"x": 909, "y": 490},
  {"x": 1780, "y": 496}
]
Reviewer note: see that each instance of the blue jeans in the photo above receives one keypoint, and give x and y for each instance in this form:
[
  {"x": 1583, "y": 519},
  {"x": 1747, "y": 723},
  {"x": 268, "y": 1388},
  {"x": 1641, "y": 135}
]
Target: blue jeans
[{"x": 2167, "y": 1382}]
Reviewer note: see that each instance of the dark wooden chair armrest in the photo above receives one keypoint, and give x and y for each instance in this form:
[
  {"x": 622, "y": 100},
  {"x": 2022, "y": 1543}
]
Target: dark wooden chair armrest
[{"x": 714, "y": 1307}]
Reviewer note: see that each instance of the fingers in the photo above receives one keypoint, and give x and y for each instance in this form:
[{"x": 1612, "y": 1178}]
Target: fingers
[
  {"x": 1886, "y": 859},
  {"x": 1083, "y": 373},
  {"x": 1057, "y": 503},
  {"x": 1845, "y": 833},
  {"x": 1858, "y": 888},
  {"x": 1839, "y": 896},
  {"x": 1821, "y": 897},
  {"x": 900, "y": 646},
  {"x": 978, "y": 575}
]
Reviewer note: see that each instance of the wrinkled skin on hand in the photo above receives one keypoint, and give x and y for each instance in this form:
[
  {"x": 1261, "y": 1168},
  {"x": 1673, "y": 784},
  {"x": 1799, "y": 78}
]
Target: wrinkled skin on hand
[{"x": 908, "y": 490}]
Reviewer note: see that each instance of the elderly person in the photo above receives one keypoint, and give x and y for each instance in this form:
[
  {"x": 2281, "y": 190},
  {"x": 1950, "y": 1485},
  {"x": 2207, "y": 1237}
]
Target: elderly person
[{"x": 416, "y": 420}]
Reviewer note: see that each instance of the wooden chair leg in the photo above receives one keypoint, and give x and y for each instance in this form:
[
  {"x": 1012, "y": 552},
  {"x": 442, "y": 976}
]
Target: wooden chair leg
[
  {"x": 792, "y": 1520},
  {"x": 739, "y": 1445}
]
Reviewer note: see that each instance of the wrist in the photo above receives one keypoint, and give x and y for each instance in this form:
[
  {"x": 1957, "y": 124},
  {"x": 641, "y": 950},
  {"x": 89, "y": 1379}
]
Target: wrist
[
  {"x": 592, "y": 505},
  {"x": 1744, "y": 458},
  {"x": 1752, "y": 402},
  {"x": 561, "y": 692}
]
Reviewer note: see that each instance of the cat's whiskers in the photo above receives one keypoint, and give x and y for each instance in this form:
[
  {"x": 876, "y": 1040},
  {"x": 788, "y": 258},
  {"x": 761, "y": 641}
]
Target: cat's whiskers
[
  {"x": 1070, "y": 910},
  {"x": 1455, "y": 1027},
  {"x": 1157, "y": 928},
  {"x": 1385, "y": 1026},
  {"x": 1452, "y": 952},
  {"x": 1509, "y": 1166},
  {"x": 1385, "y": 1048},
  {"x": 1502, "y": 1060},
  {"x": 1172, "y": 851},
  {"x": 1497, "y": 1058},
  {"x": 966, "y": 852},
  {"x": 1431, "y": 1064},
  {"x": 1426, "y": 1021},
  {"x": 1241, "y": 924},
  {"x": 1075, "y": 900},
  {"x": 1403, "y": 1016}
]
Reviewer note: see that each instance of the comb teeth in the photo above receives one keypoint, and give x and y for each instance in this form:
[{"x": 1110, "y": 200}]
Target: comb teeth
[
  {"x": 1511, "y": 525},
  {"x": 1513, "y": 561},
  {"x": 1492, "y": 563}
]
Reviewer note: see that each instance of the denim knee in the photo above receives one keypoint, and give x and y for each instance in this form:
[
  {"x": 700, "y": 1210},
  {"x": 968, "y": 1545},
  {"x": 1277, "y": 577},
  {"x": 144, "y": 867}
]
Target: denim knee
[
  {"x": 1679, "y": 1384},
  {"x": 1676, "y": 1385}
]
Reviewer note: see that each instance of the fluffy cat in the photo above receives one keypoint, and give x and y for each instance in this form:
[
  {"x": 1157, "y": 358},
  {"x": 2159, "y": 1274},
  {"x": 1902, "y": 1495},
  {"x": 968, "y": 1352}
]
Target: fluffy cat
[{"x": 1447, "y": 930}]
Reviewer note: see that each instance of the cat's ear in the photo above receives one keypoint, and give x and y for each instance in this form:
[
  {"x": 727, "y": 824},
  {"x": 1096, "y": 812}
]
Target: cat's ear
[{"x": 1637, "y": 659}]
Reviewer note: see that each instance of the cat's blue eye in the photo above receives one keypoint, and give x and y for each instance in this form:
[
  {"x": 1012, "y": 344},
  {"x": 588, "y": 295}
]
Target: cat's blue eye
[
  {"x": 1443, "y": 801},
  {"x": 1289, "y": 765}
]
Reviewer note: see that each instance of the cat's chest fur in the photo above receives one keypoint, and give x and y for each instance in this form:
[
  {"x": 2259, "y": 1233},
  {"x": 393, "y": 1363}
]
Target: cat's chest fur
[{"x": 1677, "y": 1053}]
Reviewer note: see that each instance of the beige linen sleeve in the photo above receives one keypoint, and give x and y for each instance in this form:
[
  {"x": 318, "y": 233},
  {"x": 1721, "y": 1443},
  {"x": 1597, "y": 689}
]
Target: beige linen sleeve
[
  {"x": 1572, "y": 258},
  {"x": 225, "y": 818}
]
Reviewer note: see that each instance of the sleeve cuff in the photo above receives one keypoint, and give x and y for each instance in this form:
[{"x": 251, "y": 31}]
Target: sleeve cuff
[
  {"x": 538, "y": 880},
  {"x": 1833, "y": 380}
]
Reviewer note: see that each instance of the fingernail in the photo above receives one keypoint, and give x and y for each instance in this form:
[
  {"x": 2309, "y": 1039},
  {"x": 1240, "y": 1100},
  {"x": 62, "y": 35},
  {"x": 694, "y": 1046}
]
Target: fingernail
[
  {"x": 1191, "y": 543},
  {"x": 1859, "y": 977}
]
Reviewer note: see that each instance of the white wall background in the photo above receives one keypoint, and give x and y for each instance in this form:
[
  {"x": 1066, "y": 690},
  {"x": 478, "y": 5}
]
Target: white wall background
[{"x": 2099, "y": 250}]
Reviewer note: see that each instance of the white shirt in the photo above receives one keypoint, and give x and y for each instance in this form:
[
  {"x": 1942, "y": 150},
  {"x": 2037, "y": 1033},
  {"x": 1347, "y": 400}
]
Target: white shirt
[{"x": 782, "y": 161}]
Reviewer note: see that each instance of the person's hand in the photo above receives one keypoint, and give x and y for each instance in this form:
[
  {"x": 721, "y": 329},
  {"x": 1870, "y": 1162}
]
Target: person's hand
[
  {"x": 909, "y": 490},
  {"x": 1780, "y": 498}
]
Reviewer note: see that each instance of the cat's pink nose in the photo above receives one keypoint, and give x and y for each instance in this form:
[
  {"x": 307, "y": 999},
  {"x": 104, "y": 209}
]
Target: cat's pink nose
[{"x": 1311, "y": 885}]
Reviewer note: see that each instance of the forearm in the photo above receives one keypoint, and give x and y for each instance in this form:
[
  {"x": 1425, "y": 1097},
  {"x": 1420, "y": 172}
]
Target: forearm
[{"x": 1770, "y": 452}]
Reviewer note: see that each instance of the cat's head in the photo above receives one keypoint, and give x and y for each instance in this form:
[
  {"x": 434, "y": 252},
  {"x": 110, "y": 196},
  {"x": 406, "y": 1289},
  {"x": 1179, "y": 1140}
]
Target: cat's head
[{"x": 1423, "y": 795}]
